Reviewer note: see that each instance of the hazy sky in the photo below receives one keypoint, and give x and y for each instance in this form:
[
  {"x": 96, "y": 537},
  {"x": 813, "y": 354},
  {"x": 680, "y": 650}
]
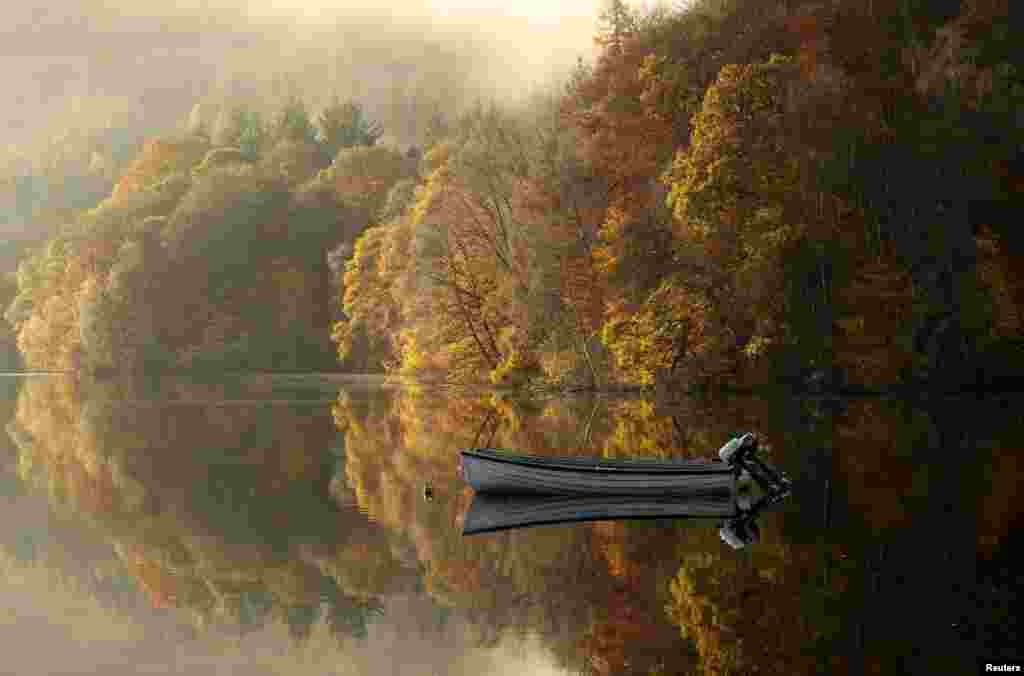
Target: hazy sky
[
  {"x": 541, "y": 11},
  {"x": 152, "y": 58}
]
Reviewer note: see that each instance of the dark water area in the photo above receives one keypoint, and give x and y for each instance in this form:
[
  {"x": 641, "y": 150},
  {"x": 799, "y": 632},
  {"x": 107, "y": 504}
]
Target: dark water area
[{"x": 280, "y": 525}]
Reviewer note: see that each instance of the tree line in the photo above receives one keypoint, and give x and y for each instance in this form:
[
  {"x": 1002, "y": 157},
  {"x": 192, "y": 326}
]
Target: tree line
[{"x": 732, "y": 194}]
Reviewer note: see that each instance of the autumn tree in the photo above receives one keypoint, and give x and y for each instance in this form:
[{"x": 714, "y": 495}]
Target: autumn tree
[
  {"x": 362, "y": 177},
  {"x": 565, "y": 200},
  {"x": 372, "y": 312},
  {"x": 475, "y": 244},
  {"x": 159, "y": 159}
]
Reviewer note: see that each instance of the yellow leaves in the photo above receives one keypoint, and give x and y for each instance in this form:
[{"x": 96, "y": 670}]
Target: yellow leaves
[
  {"x": 427, "y": 195},
  {"x": 48, "y": 337},
  {"x": 438, "y": 155},
  {"x": 611, "y": 233},
  {"x": 636, "y": 430},
  {"x": 650, "y": 65},
  {"x": 413, "y": 358},
  {"x": 621, "y": 335},
  {"x": 729, "y": 193},
  {"x": 342, "y": 334},
  {"x": 736, "y": 111},
  {"x": 757, "y": 346},
  {"x": 605, "y": 260},
  {"x": 671, "y": 324}
]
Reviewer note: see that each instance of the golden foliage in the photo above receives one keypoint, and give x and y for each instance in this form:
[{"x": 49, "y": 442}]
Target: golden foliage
[{"x": 158, "y": 159}]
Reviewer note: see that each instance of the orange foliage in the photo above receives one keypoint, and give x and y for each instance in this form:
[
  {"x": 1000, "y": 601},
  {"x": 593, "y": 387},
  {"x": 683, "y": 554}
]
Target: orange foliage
[
  {"x": 625, "y": 142},
  {"x": 158, "y": 158},
  {"x": 620, "y": 138},
  {"x": 747, "y": 616}
]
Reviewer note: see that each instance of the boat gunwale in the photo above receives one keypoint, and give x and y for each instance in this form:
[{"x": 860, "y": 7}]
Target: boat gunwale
[{"x": 617, "y": 466}]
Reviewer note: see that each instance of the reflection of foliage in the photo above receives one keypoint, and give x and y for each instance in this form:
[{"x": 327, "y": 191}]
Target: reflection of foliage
[
  {"x": 606, "y": 576},
  {"x": 353, "y": 618},
  {"x": 190, "y": 496},
  {"x": 761, "y": 614},
  {"x": 528, "y": 579},
  {"x": 8, "y": 341},
  {"x": 885, "y": 499},
  {"x": 229, "y": 512}
]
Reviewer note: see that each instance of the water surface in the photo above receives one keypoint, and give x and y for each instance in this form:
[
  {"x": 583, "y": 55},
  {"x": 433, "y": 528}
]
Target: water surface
[{"x": 278, "y": 525}]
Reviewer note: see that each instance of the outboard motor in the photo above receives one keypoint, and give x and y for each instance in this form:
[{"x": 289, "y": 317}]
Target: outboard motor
[
  {"x": 731, "y": 454},
  {"x": 741, "y": 452}
]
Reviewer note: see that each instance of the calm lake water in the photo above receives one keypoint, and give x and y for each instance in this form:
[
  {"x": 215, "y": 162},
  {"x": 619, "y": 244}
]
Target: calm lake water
[{"x": 278, "y": 525}]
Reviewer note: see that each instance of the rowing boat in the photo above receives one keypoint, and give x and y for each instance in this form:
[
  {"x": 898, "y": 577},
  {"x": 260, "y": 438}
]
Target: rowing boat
[
  {"x": 518, "y": 491},
  {"x": 490, "y": 470}
]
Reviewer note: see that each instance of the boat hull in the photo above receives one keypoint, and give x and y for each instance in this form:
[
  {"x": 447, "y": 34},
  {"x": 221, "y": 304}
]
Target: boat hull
[{"x": 489, "y": 471}]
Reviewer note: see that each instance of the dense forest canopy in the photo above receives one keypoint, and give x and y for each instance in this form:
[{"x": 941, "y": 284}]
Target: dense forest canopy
[
  {"x": 733, "y": 193},
  {"x": 718, "y": 198}
]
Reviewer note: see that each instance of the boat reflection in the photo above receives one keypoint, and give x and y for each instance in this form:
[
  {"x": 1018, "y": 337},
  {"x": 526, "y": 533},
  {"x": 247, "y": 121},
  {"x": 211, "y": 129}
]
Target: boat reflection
[{"x": 489, "y": 513}]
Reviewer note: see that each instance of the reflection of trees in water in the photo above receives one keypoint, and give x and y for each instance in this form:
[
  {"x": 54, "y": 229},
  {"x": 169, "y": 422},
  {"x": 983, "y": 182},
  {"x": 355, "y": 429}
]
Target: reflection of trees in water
[
  {"x": 870, "y": 471},
  {"x": 220, "y": 509},
  {"x": 231, "y": 512},
  {"x": 593, "y": 593},
  {"x": 882, "y": 527}
]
